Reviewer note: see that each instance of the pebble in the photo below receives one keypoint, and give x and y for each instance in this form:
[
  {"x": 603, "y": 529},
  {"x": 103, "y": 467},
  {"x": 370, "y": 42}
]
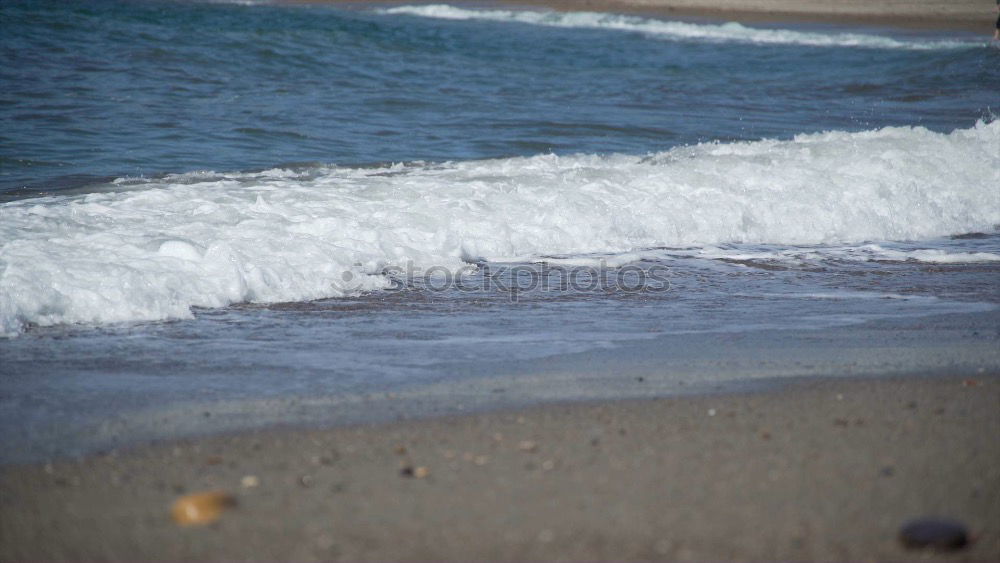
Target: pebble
[
  {"x": 249, "y": 481},
  {"x": 527, "y": 446},
  {"x": 936, "y": 533},
  {"x": 201, "y": 508},
  {"x": 414, "y": 472}
]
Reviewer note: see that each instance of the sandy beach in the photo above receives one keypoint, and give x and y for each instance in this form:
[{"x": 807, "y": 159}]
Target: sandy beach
[{"x": 824, "y": 470}]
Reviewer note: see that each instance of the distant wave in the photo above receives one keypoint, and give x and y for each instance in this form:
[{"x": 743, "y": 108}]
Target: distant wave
[
  {"x": 153, "y": 249},
  {"x": 728, "y": 32}
]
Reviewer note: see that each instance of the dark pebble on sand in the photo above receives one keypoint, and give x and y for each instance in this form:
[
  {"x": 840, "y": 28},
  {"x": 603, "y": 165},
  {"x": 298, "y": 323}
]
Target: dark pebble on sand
[{"x": 935, "y": 533}]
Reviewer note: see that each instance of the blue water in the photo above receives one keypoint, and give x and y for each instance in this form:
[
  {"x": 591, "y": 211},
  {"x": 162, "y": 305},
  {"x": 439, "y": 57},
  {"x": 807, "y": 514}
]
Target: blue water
[
  {"x": 99, "y": 89},
  {"x": 186, "y": 179}
]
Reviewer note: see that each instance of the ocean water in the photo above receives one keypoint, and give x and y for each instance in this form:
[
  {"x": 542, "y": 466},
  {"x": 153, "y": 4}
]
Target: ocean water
[{"x": 212, "y": 202}]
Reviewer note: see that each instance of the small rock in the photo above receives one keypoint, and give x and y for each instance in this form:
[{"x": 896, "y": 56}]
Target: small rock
[
  {"x": 941, "y": 534},
  {"x": 321, "y": 460},
  {"x": 414, "y": 472},
  {"x": 527, "y": 446},
  {"x": 249, "y": 481},
  {"x": 711, "y": 412},
  {"x": 201, "y": 508}
]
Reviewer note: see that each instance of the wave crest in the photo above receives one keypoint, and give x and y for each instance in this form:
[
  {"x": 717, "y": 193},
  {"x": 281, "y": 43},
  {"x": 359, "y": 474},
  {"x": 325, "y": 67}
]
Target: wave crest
[
  {"x": 727, "y": 32},
  {"x": 161, "y": 247}
]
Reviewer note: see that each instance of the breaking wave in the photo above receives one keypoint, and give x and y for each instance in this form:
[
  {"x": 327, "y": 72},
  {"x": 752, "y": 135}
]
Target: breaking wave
[
  {"x": 727, "y": 32},
  {"x": 152, "y": 249}
]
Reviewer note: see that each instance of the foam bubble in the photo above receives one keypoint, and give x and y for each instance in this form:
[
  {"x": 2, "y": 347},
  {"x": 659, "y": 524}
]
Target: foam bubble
[
  {"x": 156, "y": 250},
  {"x": 727, "y": 32}
]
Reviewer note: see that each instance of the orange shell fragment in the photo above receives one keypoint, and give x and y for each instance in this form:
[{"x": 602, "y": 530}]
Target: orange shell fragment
[{"x": 201, "y": 508}]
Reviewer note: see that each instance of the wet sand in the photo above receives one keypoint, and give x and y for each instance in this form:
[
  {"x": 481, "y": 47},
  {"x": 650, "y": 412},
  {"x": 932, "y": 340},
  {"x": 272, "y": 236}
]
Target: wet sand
[{"x": 819, "y": 470}]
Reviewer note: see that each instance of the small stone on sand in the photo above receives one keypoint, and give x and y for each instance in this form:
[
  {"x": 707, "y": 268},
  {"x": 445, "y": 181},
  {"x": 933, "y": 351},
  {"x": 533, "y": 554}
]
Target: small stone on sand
[
  {"x": 936, "y": 533},
  {"x": 249, "y": 481},
  {"x": 201, "y": 508},
  {"x": 414, "y": 472}
]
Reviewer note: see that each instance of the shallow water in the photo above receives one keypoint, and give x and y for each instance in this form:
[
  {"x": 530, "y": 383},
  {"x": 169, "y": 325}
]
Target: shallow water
[{"x": 229, "y": 202}]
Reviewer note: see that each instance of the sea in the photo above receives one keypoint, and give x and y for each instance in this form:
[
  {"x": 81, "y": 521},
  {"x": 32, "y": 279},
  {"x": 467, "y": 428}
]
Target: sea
[{"x": 210, "y": 207}]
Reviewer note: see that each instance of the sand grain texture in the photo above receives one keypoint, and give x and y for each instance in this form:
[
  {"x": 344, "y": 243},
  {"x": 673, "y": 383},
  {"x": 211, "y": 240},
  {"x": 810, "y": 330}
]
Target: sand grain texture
[{"x": 817, "y": 471}]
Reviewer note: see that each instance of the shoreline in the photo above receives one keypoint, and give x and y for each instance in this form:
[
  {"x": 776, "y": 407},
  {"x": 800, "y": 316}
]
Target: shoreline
[
  {"x": 976, "y": 16},
  {"x": 826, "y": 469},
  {"x": 669, "y": 365},
  {"x": 962, "y": 15}
]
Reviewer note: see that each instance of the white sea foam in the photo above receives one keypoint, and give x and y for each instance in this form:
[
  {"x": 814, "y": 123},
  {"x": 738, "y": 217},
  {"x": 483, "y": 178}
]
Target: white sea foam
[
  {"x": 855, "y": 253},
  {"x": 155, "y": 250},
  {"x": 727, "y": 32}
]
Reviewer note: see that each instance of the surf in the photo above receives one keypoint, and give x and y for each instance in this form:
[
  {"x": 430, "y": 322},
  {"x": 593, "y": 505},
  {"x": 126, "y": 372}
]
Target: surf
[
  {"x": 153, "y": 249},
  {"x": 678, "y": 31}
]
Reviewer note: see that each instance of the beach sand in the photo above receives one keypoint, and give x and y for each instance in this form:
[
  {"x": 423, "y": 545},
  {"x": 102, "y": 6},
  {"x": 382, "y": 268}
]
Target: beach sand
[{"x": 819, "y": 470}]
